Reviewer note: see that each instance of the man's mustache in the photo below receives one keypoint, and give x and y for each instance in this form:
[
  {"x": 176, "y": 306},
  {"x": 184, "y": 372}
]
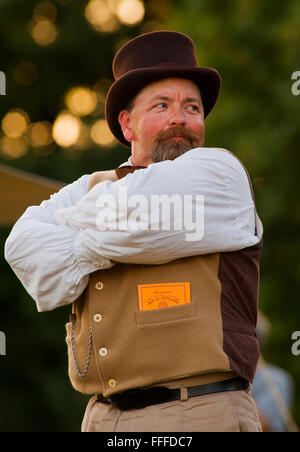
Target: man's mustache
[{"x": 177, "y": 132}]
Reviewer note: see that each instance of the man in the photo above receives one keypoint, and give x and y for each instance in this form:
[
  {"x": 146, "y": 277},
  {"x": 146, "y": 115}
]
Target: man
[{"x": 160, "y": 257}]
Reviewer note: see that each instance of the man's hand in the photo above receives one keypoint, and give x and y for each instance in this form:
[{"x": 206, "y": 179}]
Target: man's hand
[{"x": 102, "y": 176}]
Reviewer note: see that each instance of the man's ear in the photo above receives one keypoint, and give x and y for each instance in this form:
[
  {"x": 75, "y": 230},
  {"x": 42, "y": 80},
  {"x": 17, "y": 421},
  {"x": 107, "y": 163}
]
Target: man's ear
[{"x": 124, "y": 120}]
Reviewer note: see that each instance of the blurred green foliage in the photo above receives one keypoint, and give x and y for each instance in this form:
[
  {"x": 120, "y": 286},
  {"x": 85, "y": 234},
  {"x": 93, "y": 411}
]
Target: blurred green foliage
[{"x": 255, "y": 46}]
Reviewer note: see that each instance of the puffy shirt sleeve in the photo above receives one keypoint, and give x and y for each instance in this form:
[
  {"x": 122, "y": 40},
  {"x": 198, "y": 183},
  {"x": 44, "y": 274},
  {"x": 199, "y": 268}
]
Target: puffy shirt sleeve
[{"x": 41, "y": 252}]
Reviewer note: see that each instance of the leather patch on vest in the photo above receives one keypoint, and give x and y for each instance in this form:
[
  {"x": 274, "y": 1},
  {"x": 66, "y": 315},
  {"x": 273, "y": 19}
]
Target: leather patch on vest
[{"x": 164, "y": 295}]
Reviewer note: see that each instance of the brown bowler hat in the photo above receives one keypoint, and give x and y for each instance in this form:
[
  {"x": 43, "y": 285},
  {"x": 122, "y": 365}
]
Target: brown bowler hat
[{"x": 152, "y": 57}]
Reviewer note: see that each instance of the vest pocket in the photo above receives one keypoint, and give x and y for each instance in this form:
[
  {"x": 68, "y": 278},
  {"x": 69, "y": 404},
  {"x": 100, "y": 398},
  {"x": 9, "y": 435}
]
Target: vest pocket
[{"x": 163, "y": 315}]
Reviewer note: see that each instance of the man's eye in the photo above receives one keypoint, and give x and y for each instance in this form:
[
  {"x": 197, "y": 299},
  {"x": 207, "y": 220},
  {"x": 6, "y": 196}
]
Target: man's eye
[
  {"x": 161, "y": 105},
  {"x": 193, "y": 107}
]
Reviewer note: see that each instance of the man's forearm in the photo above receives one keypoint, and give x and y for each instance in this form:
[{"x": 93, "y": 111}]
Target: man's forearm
[{"x": 102, "y": 176}]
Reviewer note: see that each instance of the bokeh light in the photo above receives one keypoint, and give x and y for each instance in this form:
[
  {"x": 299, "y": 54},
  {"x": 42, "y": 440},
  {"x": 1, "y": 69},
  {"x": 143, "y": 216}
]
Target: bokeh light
[
  {"x": 130, "y": 12},
  {"x": 81, "y": 101},
  {"x": 13, "y": 148},
  {"x": 106, "y": 15},
  {"x": 44, "y": 32},
  {"x": 45, "y": 9},
  {"x": 66, "y": 129},
  {"x": 42, "y": 27},
  {"x": 15, "y": 123},
  {"x": 101, "y": 134},
  {"x": 40, "y": 134},
  {"x": 100, "y": 16}
]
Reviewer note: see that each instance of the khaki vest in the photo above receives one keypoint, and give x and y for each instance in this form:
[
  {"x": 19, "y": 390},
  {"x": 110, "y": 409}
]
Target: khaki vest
[{"x": 114, "y": 346}]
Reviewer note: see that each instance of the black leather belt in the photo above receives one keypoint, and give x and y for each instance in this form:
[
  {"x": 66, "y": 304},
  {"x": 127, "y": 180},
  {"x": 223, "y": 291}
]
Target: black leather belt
[{"x": 140, "y": 398}]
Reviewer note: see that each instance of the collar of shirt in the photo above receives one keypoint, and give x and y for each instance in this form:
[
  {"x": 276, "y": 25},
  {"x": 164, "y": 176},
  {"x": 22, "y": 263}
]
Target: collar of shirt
[{"x": 128, "y": 163}]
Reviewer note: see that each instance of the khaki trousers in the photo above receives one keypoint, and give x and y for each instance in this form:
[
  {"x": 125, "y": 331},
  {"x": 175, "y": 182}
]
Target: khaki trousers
[{"x": 233, "y": 411}]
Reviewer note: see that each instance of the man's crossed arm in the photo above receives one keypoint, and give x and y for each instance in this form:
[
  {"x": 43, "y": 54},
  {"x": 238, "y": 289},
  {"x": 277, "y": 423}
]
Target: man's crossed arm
[{"x": 87, "y": 226}]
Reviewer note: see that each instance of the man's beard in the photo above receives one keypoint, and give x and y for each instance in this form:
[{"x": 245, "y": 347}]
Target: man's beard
[{"x": 167, "y": 149}]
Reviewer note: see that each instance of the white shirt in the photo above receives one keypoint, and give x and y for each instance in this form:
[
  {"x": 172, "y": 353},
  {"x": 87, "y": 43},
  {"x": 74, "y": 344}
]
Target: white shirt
[{"x": 55, "y": 246}]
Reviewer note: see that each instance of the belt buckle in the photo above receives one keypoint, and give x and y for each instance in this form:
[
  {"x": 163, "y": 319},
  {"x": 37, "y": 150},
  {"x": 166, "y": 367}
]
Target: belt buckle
[{"x": 128, "y": 400}]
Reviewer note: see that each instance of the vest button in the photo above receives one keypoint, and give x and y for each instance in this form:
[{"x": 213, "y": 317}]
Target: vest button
[
  {"x": 112, "y": 383},
  {"x": 103, "y": 352},
  {"x": 98, "y": 318},
  {"x": 99, "y": 285}
]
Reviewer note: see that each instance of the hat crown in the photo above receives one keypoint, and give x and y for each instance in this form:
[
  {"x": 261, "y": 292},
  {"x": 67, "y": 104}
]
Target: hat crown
[{"x": 156, "y": 49}]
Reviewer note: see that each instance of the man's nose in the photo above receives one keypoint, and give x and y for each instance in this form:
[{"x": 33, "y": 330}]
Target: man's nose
[{"x": 177, "y": 117}]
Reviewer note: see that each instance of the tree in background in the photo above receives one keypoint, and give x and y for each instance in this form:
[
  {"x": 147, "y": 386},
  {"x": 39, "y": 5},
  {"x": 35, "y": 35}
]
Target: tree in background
[{"x": 57, "y": 57}]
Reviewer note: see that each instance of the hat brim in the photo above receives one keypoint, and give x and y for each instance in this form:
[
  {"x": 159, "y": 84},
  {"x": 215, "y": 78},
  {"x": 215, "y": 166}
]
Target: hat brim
[{"x": 126, "y": 88}]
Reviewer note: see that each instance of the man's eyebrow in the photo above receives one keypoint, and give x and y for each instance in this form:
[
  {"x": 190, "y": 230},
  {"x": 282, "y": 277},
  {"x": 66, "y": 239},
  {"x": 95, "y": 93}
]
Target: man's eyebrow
[
  {"x": 193, "y": 99},
  {"x": 160, "y": 97},
  {"x": 167, "y": 98}
]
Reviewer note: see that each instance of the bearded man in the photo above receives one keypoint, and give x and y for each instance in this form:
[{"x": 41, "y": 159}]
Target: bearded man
[{"x": 159, "y": 257}]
